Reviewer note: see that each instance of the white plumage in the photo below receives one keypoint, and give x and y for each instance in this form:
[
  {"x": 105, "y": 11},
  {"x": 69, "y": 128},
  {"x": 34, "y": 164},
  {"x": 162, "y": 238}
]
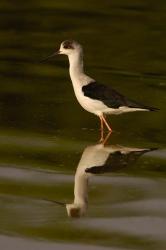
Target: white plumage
[
  {"x": 98, "y": 159},
  {"x": 94, "y": 97}
]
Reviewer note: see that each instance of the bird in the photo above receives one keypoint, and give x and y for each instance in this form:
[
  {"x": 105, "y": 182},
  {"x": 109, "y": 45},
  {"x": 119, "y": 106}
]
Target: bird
[
  {"x": 93, "y": 96},
  {"x": 95, "y": 159},
  {"x": 99, "y": 159}
]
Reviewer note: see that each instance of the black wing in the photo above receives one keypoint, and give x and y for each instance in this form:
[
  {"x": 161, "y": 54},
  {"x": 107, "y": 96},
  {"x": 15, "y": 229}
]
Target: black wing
[
  {"x": 110, "y": 97},
  {"x": 118, "y": 161}
]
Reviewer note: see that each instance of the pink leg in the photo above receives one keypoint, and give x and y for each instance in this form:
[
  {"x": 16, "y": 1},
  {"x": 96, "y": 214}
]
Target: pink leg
[
  {"x": 101, "y": 123},
  {"x": 107, "y": 125},
  {"x": 102, "y": 129}
]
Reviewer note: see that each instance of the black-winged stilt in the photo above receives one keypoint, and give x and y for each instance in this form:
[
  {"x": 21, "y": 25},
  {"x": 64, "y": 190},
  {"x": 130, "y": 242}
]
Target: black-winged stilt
[{"x": 95, "y": 97}]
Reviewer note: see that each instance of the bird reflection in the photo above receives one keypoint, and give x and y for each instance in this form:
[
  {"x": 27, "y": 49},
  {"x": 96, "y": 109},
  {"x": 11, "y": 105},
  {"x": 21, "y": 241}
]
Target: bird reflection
[{"x": 99, "y": 159}]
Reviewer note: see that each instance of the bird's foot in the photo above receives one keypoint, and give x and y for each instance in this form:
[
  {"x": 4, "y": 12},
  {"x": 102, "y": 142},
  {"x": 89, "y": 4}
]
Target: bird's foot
[
  {"x": 104, "y": 140},
  {"x": 101, "y": 140}
]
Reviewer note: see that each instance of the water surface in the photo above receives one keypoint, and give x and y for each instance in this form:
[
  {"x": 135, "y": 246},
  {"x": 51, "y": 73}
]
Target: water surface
[{"x": 49, "y": 145}]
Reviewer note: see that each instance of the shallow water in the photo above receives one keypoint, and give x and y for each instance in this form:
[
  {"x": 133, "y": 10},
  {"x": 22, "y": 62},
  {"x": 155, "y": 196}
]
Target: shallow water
[{"x": 49, "y": 145}]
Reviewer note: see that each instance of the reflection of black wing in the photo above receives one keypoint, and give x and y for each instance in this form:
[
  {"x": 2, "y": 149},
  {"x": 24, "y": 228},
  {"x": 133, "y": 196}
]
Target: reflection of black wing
[
  {"x": 110, "y": 97},
  {"x": 117, "y": 161}
]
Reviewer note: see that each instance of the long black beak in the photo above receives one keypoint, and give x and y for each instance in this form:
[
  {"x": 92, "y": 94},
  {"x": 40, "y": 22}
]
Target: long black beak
[
  {"x": 63, "y": 204},
  {"x": 50, "y": 56}
]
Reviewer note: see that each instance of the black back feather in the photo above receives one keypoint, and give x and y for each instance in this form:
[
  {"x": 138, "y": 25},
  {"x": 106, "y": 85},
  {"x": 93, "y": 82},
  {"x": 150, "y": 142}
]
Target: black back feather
[
  {"x": 117, "y": 161},
  {"x": 110, "y": 97}
]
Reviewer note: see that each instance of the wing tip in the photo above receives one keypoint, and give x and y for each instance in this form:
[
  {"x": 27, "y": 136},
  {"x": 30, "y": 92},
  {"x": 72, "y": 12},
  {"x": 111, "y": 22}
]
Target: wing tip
[{"x": 152, "y": 109}]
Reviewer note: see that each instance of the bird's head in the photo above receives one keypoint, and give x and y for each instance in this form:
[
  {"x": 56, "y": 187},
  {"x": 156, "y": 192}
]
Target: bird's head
[
  {"x": 70, "y": 47},
  {"x": 67, "y": 47},
  {"x": 76, "y": 210}
]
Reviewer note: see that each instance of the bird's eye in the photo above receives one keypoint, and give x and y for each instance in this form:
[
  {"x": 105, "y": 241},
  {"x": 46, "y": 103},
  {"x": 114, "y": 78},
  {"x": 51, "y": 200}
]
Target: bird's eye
[{"x": 67, "y": 46}]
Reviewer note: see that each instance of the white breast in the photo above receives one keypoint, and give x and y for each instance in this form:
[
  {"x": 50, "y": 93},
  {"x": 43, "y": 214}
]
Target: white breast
[
  {"x": 79, "y": 79},
  {"x": 91, "y": 105}
]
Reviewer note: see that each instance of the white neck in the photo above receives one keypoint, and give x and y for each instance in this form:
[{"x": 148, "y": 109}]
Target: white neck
[
  {"x": 76, "y": 64},
  {"x": 81, "y": 188},
  {"x": 76, "y": 69},
  {"x": 80, "y": 192}
]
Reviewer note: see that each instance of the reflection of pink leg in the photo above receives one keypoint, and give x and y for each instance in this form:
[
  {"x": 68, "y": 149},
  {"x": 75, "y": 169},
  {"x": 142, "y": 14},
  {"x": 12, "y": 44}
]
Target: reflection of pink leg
[
  {"x": 107, "y": 125},
  {"x": 106, "y": 138}
]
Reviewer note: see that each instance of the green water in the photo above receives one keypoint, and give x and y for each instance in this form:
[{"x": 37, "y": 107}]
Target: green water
[{"x": 44, "y": 132}]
